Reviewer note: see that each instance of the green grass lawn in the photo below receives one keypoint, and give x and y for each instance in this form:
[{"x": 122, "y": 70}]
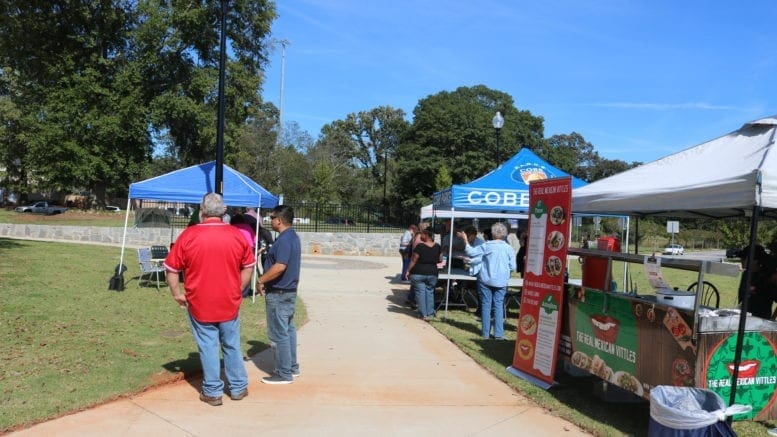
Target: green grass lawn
[
  {"x": 69, "y": 343},
  {"x": 69, "y": 218},
  {"x": 727, "y": 286}
]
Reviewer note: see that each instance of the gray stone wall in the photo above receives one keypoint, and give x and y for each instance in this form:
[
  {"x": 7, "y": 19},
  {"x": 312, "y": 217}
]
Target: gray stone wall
[{"x": 324, "y": 243}]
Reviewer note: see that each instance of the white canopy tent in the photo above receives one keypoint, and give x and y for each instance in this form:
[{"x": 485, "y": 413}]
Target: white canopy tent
[
  {"x": 720, "y": 178},
  {"x": 731, "y": 176}
]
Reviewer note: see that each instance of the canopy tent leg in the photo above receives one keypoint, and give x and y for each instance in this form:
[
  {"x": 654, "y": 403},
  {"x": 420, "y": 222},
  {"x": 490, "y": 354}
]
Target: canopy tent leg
[
  {"x": 256, "y": 256},
  {"x": 450, "y": 261},
  {"x": 743, "y": 307},
  {"x": 124, "y": 236}
]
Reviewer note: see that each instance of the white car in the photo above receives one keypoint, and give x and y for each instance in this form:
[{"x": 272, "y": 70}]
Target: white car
[
  {"x": 674, "y": 249},
  {"x": 113, "y": 208}
]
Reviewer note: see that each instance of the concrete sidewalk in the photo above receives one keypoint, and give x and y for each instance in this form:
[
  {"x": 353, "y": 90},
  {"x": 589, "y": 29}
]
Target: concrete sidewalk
[{"x": 369, "y": 367}]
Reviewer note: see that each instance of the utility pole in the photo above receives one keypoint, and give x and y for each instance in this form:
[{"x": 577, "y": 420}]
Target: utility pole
[{"x": 283, "y": 42}]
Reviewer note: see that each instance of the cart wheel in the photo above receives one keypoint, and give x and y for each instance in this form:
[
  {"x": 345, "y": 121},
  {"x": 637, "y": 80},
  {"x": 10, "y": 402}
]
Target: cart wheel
[{"x": 709, "y": 294}]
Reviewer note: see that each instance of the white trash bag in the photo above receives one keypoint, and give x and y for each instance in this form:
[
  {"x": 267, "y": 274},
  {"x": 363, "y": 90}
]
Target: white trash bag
[{"x": 686, "y": 408}]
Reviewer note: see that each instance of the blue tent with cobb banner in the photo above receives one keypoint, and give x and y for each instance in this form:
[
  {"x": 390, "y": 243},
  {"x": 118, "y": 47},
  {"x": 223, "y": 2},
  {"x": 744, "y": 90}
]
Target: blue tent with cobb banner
[{"x": 503, "y": 190}]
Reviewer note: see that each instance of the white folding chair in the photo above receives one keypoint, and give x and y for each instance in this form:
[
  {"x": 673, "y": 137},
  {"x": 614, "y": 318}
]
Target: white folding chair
[{"x": 149, "y": 267}]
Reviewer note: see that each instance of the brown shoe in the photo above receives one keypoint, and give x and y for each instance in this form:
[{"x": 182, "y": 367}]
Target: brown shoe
[
  {"x": 239, "y": 396},
  {"x": 211, "y": 400}
]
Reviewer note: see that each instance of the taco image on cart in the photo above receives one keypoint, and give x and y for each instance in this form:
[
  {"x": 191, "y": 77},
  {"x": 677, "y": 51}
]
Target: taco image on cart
[{"x": 581, "y": 360}]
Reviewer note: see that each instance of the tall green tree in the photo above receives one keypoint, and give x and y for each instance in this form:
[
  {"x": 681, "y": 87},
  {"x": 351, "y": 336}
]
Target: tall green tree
[
  {"x": 87, "y": 125},
  {"x": 92, "y": 86},
  {"x": 570, "y": 153},
  {"x": 323, "y": 188},
  {"x": 368, "y": 142},
  {"x": 576, "y": 156},
  {"x": 453, "y": 129},
  {"x": 182, "y": 40},
  {"x": 255, "y": 142}
]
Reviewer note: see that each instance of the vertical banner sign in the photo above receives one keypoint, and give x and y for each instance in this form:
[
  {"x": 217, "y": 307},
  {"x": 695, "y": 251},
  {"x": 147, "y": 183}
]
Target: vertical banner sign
[{"x": 539, "y": 326}]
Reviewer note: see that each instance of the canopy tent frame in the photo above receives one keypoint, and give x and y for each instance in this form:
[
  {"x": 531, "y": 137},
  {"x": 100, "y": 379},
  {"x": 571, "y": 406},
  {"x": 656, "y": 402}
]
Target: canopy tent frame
[{"x": 190, "y": 184}]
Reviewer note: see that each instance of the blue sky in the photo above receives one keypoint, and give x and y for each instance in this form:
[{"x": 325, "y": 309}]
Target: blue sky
[{"x": 638, "y": 79}]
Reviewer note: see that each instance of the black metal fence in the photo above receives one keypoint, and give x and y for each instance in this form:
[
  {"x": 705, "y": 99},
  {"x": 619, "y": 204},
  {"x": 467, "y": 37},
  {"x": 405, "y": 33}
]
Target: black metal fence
[
  {"x": 316, "y": 217},
  {"x": 309, "y": 217}
]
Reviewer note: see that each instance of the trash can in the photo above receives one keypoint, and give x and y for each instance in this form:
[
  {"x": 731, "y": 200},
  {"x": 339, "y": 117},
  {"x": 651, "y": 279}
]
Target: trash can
[
  {"x": 690, "y": 412},
  {"x": 594, "y": 270}
]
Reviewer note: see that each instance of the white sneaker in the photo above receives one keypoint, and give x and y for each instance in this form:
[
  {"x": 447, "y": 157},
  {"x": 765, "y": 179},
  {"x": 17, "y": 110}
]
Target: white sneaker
[{"x": 276, "y": 380}]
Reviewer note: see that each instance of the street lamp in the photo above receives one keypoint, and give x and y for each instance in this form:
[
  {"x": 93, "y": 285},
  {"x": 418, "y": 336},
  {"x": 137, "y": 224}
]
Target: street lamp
[
  {"x": 498, "y": 121},
  {"x": 219, "y": 176}
]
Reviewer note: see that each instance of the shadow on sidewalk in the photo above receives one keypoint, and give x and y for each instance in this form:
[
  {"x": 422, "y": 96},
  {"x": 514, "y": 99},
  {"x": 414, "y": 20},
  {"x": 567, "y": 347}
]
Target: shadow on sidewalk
[
  {"x": 189, "y": 367},
  {"x": 397, "y": 302}
]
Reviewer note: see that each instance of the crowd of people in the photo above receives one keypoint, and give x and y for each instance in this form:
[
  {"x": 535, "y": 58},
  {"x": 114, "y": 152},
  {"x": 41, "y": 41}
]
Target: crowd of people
[
  {"x": 491, "y": 258},
  {"x": 216, "y": 255}
]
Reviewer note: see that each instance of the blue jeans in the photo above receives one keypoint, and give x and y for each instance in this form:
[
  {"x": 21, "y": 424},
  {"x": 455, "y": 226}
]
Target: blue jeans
[
  {"x": 282, "y": 333},
  {"x": 405, "y": 265},
  {"x": 424, "y": 293},
  {"x": 208, "y": 336},
  {"x": 492, "y": 297}
]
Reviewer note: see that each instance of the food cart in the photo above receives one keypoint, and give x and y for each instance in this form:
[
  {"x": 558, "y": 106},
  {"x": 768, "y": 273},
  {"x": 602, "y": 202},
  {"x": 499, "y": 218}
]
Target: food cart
[
  {"x": 733, "y": 354},
  {"x": 637, "y": 342}
]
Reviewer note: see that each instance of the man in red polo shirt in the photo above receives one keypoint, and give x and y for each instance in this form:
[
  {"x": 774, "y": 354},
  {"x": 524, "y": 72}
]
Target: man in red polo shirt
[{"x": 218, "y": 263}]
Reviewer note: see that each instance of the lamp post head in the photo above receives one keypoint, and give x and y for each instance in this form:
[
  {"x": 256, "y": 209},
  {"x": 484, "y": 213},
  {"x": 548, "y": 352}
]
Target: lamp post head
[{"x": 498, "y": 121}]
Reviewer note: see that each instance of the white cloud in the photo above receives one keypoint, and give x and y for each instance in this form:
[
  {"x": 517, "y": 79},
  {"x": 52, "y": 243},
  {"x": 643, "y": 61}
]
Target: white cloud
[{"x": 666, "y": 106}]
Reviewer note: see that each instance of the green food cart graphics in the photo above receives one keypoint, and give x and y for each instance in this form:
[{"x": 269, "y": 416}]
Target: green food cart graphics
[{"x": 639, "y": 342}]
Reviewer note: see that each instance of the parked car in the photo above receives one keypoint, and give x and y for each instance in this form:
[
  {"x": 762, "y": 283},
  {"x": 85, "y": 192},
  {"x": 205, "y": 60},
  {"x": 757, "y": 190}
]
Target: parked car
[
  {"x": 41, "y": 208},
  {"x": 674, "y": 249},
  {"x": 340, "y": 221},
  {"x": 111, "y": 208}
]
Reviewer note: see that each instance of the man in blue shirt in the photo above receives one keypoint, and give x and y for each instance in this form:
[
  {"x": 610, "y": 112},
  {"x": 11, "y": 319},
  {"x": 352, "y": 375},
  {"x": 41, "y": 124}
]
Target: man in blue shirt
[
  {"x": 279, "y": 286},
  {"x": 497, "y": 262}
]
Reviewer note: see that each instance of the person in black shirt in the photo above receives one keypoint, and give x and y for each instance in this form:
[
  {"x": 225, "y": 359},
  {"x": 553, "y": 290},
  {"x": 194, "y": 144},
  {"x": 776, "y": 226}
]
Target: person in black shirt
[
  {"x": 520, "y": 256},
  {"x": 763, "y": 283},
  {"x": 423, "y": 273}
]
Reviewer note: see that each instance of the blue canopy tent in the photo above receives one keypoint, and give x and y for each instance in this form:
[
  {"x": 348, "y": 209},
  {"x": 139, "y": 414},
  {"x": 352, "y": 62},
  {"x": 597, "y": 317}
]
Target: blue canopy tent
[
  {"x": 503, "y": 190},
  {"x": 190, "y": 184}
]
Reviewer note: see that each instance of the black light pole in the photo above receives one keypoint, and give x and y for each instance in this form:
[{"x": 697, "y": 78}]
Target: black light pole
[
  {"x": 220, "y": 117},
  {"x": 498, "y": 121},
  {"x": 385, "y": 180}
]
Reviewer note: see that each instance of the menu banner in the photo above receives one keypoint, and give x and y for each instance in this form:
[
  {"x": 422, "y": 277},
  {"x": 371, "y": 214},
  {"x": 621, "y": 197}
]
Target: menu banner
[{"x": 539, "y": 325}]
